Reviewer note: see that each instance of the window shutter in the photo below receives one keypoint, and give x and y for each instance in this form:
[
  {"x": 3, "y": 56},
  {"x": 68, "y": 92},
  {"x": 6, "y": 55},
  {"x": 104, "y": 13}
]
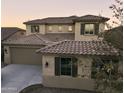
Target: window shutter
[
  {"x": 74, "y": 67},
  {"x": 82, "y": 29},
  {"x": 57, "y": 66},
  {"x": 96, "y": 28},
  {"x": 31, "y": 29}
]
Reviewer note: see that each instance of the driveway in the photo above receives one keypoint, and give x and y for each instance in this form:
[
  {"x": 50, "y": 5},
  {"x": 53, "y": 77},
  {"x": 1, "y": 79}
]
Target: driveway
[{"x": 16, "y": 77}]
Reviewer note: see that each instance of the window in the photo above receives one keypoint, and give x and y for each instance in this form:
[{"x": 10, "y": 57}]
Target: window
[
  {"x": 65, "y": 66},
  {"x": 34, "y": 29},
  {"x": 69, "y": 28},
  {"x": 89, "y": 29},
  {"x": 50, "y": 28},
  {"x": 60, "y": 28}
]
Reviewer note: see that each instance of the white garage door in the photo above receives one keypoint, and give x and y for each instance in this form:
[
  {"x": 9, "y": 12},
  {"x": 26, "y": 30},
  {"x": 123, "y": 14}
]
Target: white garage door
[{"x": 25, "y": 56}]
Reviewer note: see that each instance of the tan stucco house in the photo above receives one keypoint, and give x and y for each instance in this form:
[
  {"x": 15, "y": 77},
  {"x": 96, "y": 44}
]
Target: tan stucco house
[
  {"x": 65, "y": 46},
  {"x": 40, "y": 32}
]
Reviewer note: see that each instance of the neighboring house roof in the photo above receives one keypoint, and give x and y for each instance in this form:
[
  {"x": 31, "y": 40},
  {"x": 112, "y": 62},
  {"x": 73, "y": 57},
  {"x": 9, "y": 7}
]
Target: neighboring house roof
[
  {"x": 6, "y": 32},
  {"x": 39, "y": 39},
  {"x": 115, "y": 36},
  {"x": 66, "y": 20},
  {"x": 80, "y": 48}
]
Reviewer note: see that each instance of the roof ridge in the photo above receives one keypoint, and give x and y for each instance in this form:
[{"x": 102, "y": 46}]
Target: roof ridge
[
  {"x": 55, "y": 43},
  {"x": 39, "y": 38}
]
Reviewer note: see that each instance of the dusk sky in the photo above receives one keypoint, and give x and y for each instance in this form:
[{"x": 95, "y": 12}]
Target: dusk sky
[{"x": 15, "y": 12}]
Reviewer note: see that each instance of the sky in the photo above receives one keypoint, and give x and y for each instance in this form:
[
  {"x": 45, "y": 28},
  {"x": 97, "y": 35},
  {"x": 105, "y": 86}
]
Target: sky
[{"x": 15, "y": 12}]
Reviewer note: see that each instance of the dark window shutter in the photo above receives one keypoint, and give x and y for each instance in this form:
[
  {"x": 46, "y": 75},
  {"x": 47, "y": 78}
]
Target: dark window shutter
[
  {"x": 57, "y": 66},
  {"x": 82, "y": 29},
  {"x": 96, "y": 28},
  {"x": 32, "y": 29},
  {"x": 74, "y": 67}
]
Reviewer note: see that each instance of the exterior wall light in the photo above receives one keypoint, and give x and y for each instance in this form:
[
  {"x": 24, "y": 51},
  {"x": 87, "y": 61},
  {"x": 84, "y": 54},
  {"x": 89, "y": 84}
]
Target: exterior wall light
[
  {"x": 46, "y": 64},
  {"x": 5, "y": 50}
]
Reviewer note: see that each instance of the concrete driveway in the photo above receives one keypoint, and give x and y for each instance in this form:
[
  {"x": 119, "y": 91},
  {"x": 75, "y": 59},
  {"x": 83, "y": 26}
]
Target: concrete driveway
[{"x": 16, "y": 77}]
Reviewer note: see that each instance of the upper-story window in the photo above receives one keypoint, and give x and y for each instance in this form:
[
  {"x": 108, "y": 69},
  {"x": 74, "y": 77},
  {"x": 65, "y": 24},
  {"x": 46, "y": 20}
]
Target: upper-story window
[
  {"x": 89, "y": 29},
  {"x": 69, "y": 28},
  {"x": 60, "y": 28},
  {"x": 34, "y": 29},
  {"x": 50, "y": 28}
]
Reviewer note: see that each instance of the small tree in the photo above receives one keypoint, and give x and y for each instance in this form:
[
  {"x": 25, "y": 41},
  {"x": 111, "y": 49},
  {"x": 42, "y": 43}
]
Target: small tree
[
  {"x": 117, "y": 10},
  {"x": 107, "y": 77}
]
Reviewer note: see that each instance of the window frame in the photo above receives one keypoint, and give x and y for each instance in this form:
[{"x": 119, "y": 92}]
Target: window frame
[
  {"x": 60, "y": 66},
  {"x": 89, "y": 31},
  {"x": 50, "y": 28},
  {"x": 70, "y": 29},
  {"x": 33, "y": 29}
]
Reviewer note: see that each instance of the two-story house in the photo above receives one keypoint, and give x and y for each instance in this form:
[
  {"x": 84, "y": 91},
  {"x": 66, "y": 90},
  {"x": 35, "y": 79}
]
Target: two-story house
[
  {"x": 41, "y": 32},
  {"x": 85, "y": 27},
  {"x": 69, "y": 46}
]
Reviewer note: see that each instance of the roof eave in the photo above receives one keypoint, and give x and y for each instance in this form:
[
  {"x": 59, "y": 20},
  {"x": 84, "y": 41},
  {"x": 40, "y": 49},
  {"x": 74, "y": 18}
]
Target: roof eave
[
  {"x": 39, "y": 52},
  {"x": 25, "y": 44},
  {"x": 46, "y": 23}
]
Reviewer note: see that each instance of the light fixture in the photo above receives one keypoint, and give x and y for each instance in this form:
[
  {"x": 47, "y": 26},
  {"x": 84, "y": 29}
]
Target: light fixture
[
  {"x": 46, "y": 64},
  {"x": 5, "y": 50}
]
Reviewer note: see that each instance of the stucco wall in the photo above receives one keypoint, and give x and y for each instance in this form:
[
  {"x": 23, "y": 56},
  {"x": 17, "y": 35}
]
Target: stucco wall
[
  {"x": 79, "y": 82},
  {"x": 78, "y": 36},
  {"x": 84, "y": 65},
  {"x": 7, "y": 59},
  {"x": 101, "y": 27},
  {"x": 43, "y": 29},
  {"x": 28, "y": 29},
  {"x": 48, "y": 71},
  {"x": 55, "y": 29},
  {"x": 69, "y": 82}
]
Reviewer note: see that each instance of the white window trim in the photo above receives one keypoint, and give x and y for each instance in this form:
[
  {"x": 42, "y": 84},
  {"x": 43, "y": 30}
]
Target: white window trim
[
  {"x": 70, "y": 28},
  {"x": 33, "y": 28},
  {"x": 93, "y": 31}
]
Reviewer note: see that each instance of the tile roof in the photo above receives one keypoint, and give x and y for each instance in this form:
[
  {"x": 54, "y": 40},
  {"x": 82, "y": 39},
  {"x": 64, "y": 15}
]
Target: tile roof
[
  {"x": 80, "y": 47},
  {"x": 53, "y": 20},
  {"x": 66, "y": 20},
  {"x": 27, "y": 40},
  {"x": 55, "y": 37},
  {"x": 6, "y": 32},
  {"x": 91, "y": 18},
  {"x": 40, "y": 39}
]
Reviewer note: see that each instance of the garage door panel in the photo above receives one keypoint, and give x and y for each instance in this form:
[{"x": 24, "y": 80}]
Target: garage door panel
[{"x": 25, "y": 56}]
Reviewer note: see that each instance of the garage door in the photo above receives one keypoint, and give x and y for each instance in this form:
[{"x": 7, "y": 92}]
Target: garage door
[{"x": 25, "y": 56}]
